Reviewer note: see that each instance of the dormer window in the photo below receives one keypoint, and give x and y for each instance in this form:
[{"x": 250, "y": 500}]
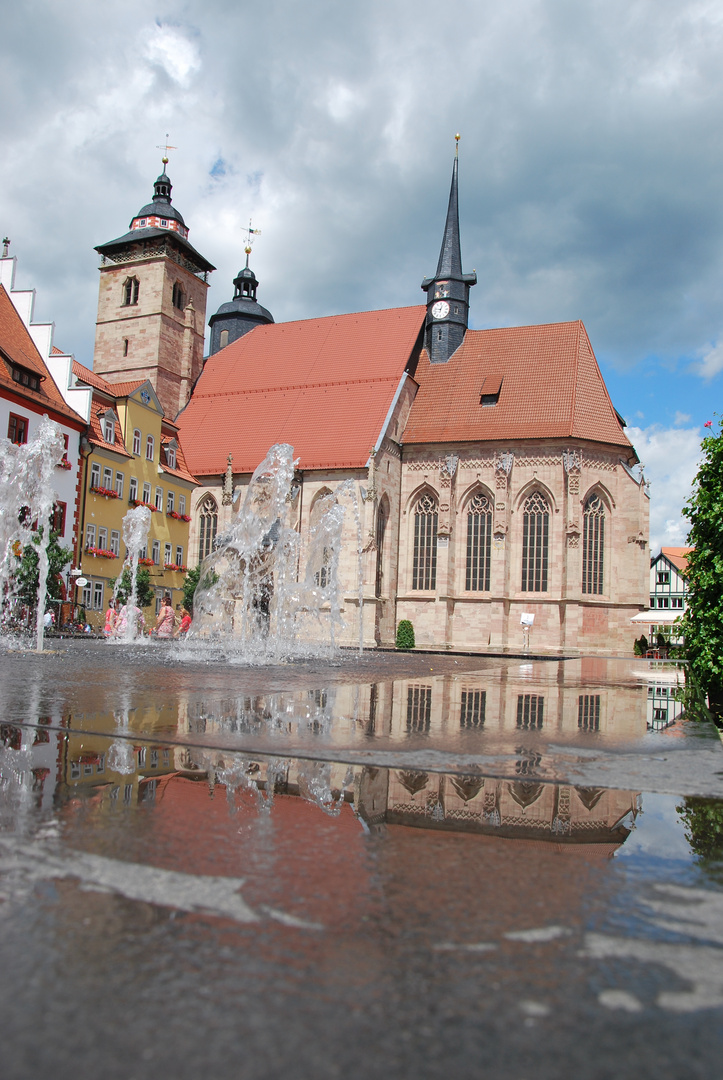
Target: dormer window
[
  {"x": 490, "y": 392},
  {"x": 108, "y": 425},
  {"x": 25, "y": 378},
  {"x": 171, "y": 455},
  {"x": 130, "y": 292}
]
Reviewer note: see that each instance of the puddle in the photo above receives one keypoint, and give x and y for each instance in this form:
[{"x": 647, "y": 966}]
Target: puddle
[{"x": 356, "y": 869}]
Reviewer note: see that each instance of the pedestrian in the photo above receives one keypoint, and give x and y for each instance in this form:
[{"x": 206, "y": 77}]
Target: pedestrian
[
  {"x": 184, "y": 624},
  {"x": 166, "y": 619},
  {"x": 111, "y": 619}
]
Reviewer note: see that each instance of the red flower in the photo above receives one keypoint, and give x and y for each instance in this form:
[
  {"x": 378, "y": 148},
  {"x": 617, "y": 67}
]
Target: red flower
[{"x": 708, "y": 423}]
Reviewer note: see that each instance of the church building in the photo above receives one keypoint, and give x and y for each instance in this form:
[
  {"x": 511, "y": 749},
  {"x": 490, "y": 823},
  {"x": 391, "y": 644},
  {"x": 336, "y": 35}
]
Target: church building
[{"x": 498, "y": 491}]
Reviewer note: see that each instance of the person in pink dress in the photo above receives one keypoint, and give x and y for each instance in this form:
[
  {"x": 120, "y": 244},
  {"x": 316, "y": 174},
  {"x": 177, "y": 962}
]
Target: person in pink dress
[
  {"x": 111, "y": 619},
  {"x": 166, "y": 619}
]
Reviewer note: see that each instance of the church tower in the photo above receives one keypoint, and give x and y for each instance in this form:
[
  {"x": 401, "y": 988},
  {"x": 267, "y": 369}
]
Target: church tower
[
  {"x": 448, "y": 291},
  {"x": 152, "y": 303},
  {"x": 238, "y": 316}
]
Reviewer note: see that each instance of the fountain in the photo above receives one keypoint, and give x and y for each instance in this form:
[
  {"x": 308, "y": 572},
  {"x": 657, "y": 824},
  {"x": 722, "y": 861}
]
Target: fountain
[
  {"x": 253, "y": 601},
  {"x": 136, "y": 527},
  {"x": 27, "y": 495}
]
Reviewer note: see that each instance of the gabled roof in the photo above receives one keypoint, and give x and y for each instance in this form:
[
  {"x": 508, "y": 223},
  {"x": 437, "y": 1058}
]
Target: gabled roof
[
  {"x": 322, "y": 385},
  {"x": 551, "y": 387},
  {"x": 116, "y": 390},
  {"x": 98, "y": 410},
  {"x": 678, "y": 556},
  {"x": 19, "y": 348}
]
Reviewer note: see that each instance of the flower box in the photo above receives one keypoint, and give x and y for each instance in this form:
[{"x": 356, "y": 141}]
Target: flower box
[
  {"x": 146, "y": 562},
  {"x": 139, "y": 502},
  {"x": 175, "y": 567},
  {"x": 109, "y": 493},
  {"x": 101, "y": 553},
  {"x": 177, "y": 516},
  {"x": 64, "y": 464}
]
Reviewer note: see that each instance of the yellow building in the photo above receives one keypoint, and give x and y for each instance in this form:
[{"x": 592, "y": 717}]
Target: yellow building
[{"x": 131, "y": 457}]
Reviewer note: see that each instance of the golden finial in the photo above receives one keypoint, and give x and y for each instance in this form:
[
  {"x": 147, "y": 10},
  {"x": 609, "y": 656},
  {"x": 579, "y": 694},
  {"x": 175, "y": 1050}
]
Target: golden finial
[
  {"x": 165, "y": 150},
  {"x": 456, "y": 144}
]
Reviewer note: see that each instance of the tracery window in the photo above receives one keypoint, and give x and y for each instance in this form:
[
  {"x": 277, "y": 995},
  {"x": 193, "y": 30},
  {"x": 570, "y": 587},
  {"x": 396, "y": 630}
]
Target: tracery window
[
  {"x": 535, "y": 543},
  {"x": 593, "y": 545},
  {"x": 381, "y": 530},
  {"x": 208, "y": 526},
  {"x": 424, "y": 568},
  {"x": 130, "y": 291},
  {"x": 479, "y": 543}
]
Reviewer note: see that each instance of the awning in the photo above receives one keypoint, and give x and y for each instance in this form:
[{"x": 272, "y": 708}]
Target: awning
[{"x": 663, "y": 616}]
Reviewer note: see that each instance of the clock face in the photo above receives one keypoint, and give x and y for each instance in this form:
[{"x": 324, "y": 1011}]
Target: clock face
[{"x": 440, "y": 309}]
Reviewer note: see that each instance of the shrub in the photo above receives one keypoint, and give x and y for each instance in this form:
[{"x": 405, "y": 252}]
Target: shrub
[{"x": 405, "y": 635}]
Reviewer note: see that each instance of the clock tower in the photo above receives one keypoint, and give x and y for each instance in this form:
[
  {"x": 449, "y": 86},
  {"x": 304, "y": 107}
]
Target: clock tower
[{"x": 448, "y": 291}]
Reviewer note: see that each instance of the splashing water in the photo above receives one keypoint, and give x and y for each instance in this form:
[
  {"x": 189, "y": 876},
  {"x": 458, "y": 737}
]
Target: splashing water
[
  {"x": 253, "y": 598},
  {"x": 136, "y": 527},
  {"x": 27, "y": 494}
]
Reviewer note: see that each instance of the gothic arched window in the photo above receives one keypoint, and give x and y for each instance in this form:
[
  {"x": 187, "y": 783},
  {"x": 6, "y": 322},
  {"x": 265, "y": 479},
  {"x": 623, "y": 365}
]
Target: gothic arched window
[
  {"x": 593, "y": 545},
  {"x": 381, "y": 530},
  {"x": 424, "y": 568},
  {"x": 479, "y": 543},
  {"x": 207, "y": 526},
  {"x": 130, "y": 291},
  {"x": 535, "y": 543}
]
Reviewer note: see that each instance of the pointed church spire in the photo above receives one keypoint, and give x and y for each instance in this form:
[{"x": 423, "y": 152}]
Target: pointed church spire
[
  {"x": 448, "y": 291},
  {"x": 450, "y": 255}
]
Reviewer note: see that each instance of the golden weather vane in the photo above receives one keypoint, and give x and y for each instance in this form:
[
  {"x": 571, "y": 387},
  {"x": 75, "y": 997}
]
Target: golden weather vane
[
  {"x": 251, "y": 235},
  {"x": 165, "y": 150}
]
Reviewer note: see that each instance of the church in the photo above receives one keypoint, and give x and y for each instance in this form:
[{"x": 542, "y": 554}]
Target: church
[{"x": 499, "y": 497}]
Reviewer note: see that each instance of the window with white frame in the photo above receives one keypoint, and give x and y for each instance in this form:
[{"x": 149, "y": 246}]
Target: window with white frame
[
  {"x": 167, "y": 553},
  {"x": 115, "y": 541},
  {"x": 133, "y": 489},
  {"x": 179, "y": 556},
  {"x": 146, "y": 492},
  {"x": 119, "y": 484},
  {"x": 171, "y": 456},
  {"x": 150, "y": 447},
  {"x": 137, "y": 441},
  {"x": 159, "y": 498},
  {"x": 170, "y": 502},
  {"x": 90, "y": 536},
  {"x": 156, "y": 551},
  {"x": 109, "y": 429},
  {"x": 95, "y": 474},
  {"x": 98, "y": 596},
  {"x": 102, "y": 537},
  {"x": 107, "y": 479},
  {"x": 87, "y": 596},
  {"x": 182, "y": 504}
]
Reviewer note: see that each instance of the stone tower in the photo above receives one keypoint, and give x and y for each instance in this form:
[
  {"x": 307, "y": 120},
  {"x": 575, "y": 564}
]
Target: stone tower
[
  {"x": 152, "y": 303},
  {"x": 448, "y": 291}
]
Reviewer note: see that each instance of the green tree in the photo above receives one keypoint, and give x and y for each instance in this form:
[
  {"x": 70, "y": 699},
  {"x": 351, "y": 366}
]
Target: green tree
[
  {"x": 190, "y": 584},
  {"x": 702, "y": 622},
  {"x": 27, "y": 573},
  {"x": 703, "y": 820},
  {"x": 405, "y": 635},
  {"x": 145, "y": 596}
]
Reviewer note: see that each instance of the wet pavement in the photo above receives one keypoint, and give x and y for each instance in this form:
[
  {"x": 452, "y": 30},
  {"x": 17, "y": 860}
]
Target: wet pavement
[{"x": 418, "y": 865}]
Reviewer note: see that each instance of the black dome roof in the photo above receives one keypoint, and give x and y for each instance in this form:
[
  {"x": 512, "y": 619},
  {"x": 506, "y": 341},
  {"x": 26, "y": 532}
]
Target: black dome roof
[{"x": 161, "y": 204}]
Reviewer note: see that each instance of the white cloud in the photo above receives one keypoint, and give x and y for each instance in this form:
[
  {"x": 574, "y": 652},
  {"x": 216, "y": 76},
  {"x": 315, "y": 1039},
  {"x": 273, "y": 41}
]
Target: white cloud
[
  {"x": 711, "y": 362},
  {"x": 171, "y": 49},
  {"x": 681, "y": 418},
  {"x": 670, "y": 457}
]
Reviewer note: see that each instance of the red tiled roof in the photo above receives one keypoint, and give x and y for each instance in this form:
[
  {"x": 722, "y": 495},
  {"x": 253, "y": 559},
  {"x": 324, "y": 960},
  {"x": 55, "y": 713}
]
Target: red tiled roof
[
  {"x": 322, "y": 385},
  {"x": 181, "y": 469},
  {"x": 98, "y": 409},
  {"x": 18, "y": 346},
  {"x": 678, "y": 556},
  {"x": 551, "y": 388},
  {"x": 116, "y": 390}
]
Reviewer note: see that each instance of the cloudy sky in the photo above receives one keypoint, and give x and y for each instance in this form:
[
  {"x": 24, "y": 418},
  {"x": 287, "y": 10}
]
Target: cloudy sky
[{"x": 591, "y": 169}]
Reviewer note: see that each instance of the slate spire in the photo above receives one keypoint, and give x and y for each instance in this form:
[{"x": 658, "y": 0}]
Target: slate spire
[{"x": 448, "y": 291}]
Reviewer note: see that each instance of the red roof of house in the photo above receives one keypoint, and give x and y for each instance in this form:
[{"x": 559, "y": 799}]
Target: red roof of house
[
  {"x": 98, "y": 410},
  {"x": 115, "y": 390},
  {"x": 678, "y": 556},
  {"x": 549, "y": 385},
  {"x": 17, "y": 345},
  {"x": 322, "y": 385}
]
